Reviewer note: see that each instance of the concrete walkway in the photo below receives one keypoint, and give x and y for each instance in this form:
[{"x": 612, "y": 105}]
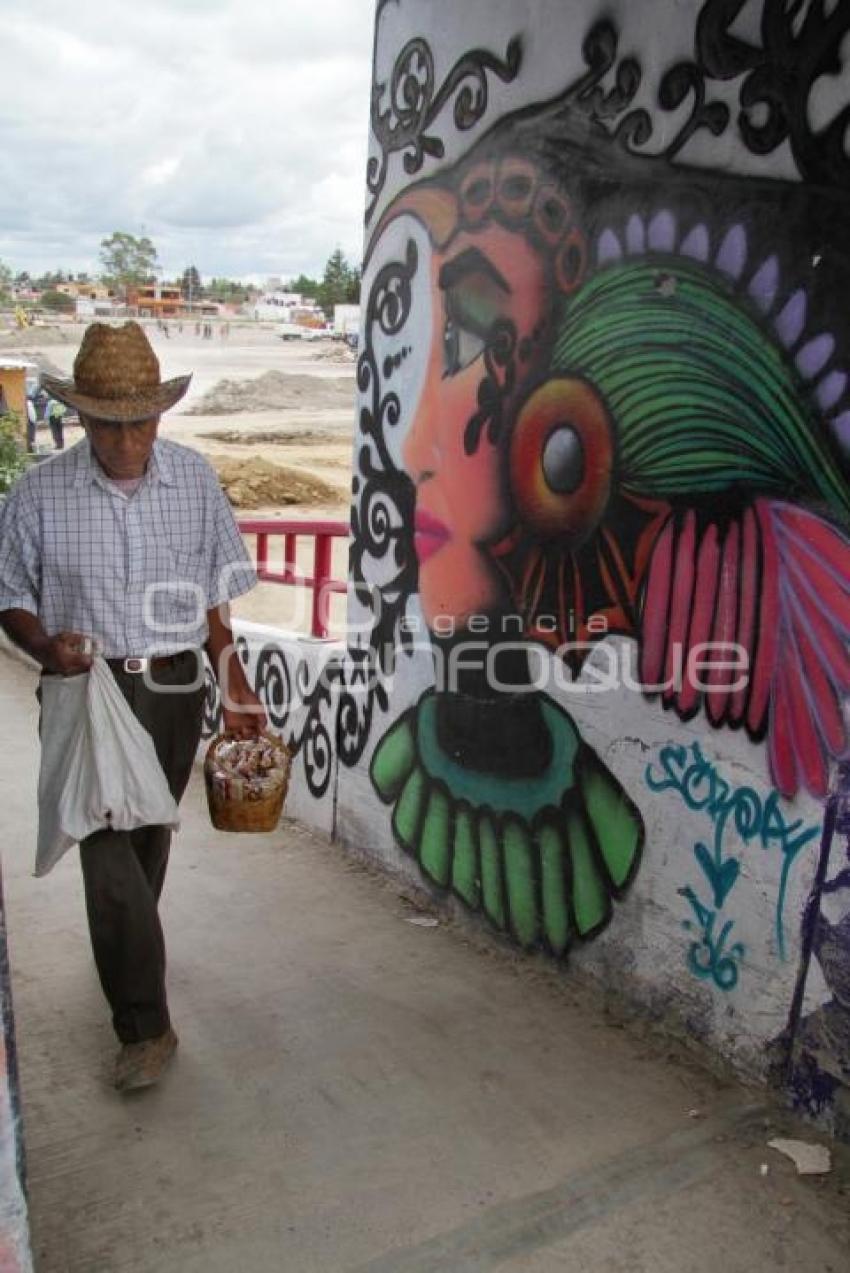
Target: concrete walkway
[{"x": 357, "y": 1093}]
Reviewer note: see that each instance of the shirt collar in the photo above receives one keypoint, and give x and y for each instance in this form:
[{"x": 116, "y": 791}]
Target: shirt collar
[{"x": 87, "y": 470}]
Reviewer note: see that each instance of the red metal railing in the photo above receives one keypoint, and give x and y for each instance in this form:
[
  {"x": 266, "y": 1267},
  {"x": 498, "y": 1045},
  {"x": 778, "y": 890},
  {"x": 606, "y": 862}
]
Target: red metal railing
[{"x": 321, "y": 582}]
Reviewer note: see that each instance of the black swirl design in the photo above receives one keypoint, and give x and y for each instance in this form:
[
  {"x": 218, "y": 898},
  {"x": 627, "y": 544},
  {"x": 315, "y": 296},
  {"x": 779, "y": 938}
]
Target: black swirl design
[
  {"x": 273, "y": 684},
  {"x": 317, "y": 753},
  {"x": 777, "y": 79},
  {"x": 382, "y": 513},
  {"x": 406, "y": 108},
  {"x": 212, "y": 705},
  {"x": 797, "y": 49},
  {"x": 634, "y": 129},
  {"x": 339, "y": 706}
]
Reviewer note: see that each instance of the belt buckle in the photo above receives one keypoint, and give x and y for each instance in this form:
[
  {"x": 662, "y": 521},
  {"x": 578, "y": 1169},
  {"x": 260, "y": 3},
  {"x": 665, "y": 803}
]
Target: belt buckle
[{"x": 136, "y": 665}]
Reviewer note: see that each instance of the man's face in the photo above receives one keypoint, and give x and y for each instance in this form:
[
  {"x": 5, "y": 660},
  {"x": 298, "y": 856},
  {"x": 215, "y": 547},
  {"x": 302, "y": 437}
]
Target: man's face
[{"x": 122, "y": 450}]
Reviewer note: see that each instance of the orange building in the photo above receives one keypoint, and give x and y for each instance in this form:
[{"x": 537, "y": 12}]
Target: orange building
[
  {"x": 154, "y": 300},
  {"x": 16, "y": 377}
]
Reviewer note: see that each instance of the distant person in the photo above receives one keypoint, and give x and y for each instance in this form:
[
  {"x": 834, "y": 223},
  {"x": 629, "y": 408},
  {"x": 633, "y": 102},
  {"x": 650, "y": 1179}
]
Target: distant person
[
  {"x": 32, "y": 423},
  {"x": 56, "y": 412}
]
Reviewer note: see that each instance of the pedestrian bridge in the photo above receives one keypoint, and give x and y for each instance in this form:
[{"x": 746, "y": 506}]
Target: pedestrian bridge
[{"x": 361, "y": 1089}]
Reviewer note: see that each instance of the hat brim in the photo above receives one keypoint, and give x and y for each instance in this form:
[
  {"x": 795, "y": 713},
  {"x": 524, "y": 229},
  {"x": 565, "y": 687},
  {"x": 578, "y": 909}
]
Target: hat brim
[{"x": 143, "y": 406}]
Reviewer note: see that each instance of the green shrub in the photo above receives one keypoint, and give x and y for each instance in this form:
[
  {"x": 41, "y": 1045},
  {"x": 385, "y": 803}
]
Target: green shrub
[
  {"x": 13, "y": 457},
  {"x": 57, "y": 300}
]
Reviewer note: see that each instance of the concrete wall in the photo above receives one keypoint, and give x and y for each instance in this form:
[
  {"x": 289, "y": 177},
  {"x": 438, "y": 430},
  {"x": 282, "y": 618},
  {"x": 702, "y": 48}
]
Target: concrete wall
[{"x": 603, "y": 427}]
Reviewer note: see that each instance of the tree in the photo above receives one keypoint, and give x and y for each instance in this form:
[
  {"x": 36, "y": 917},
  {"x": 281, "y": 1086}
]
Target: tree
[
  {"x": 57, "y": 300},
  {"x": 127, "y": 260},
  {"x": 340, "y": 284},
  {"x": 227, "y": 289},
  {"x": 190, "y": 284},
  {"x": 304, "y": 286},
  {"x": 5, "y": 279},
  {"x": 352, "y": 295},
  {"x": 49, "y": 279}
]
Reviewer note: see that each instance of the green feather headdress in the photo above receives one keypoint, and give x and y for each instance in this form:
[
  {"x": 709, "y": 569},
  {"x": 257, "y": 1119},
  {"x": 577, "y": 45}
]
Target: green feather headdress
[{"x": 704, "y": 398}]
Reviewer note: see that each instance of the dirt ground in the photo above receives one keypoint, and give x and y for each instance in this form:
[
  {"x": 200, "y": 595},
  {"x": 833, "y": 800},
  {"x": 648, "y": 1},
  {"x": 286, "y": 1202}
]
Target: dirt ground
[
  {"x": 275, "y": 418},
  {"x": 252, "y": 397}
]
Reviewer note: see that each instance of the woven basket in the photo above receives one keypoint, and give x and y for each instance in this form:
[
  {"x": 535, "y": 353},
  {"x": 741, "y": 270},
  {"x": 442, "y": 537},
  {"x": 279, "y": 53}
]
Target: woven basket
[{"x": 230, "y": 808}]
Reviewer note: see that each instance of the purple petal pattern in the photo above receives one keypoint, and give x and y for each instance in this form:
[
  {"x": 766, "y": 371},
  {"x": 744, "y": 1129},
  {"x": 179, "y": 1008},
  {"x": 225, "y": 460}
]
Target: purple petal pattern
[
  {"x": 831, "y": 389},
  {"x": 732, "y": 256},
  {"x": 696, "y": 245},
  {"x": 608, "y": 248},
  {"x": 765, "y": 284},
  {"x": 815, "y": 354},
  {"x": 791, "y": 319},
  {"x": 635, "y": 235},
  {"x": 662, "y": 232},
  {"x": 841, "y": 428}
]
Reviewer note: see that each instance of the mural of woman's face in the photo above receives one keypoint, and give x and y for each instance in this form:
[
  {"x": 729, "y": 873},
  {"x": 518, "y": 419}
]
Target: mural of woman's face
[{"x": 482, "y": 282}]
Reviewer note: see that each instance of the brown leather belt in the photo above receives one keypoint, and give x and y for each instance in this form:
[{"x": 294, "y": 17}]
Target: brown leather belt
[{"x": 158, "y": 663}]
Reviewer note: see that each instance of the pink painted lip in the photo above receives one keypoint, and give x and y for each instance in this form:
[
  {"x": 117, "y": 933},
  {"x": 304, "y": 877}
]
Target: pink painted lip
[{"x": 429, "y": 535}]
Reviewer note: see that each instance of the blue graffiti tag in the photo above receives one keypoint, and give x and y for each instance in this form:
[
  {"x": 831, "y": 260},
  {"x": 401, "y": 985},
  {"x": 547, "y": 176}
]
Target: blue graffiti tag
[
  {"x": 686, "y": 771},
  {"x": 706, "y": 957}
]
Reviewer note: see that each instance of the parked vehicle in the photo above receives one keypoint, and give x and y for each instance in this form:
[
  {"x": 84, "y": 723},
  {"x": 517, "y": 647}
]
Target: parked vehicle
[
  {"x": 289, "y": 331},
  {"x": 346, "y": 321},
  {"x": 295, "y": 331}
]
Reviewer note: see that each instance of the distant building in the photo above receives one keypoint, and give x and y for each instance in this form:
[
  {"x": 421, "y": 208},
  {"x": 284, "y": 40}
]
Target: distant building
[
  {"x": 155, "y": 300},
  {"x": 287, "y": 307},
  {"x": 18, "y": 377},
  {"x": 89, "y": 308},
  {"x": 86, "y": 291}
]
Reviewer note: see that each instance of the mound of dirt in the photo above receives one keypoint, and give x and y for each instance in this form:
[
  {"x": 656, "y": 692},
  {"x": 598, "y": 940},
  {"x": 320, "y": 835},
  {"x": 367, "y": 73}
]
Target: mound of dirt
[
  {"x": 273, "y": 437},
  {"x": 257, "y": 483},
  {"x": 276, "y": 391},
  {"x": 336, "y": 353},
  {"x": 18, "y": 339}
]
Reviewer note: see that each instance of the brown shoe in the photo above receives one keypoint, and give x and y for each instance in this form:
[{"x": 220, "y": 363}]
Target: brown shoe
[{"x": 142, "y": 1064}]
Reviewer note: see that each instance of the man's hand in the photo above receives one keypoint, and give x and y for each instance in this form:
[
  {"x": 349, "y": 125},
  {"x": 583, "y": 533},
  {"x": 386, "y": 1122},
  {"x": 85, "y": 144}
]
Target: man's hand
[
  {"x": 67, "y": 653},
  {"x": 242, "y": 710}
]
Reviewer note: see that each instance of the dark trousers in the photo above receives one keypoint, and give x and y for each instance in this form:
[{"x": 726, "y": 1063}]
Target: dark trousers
[
  {"x": 57, "y": 432},
  {"x": 124, "y": 871}
]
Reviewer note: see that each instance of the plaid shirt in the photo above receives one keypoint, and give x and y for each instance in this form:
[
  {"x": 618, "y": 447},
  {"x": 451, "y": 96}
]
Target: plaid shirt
[{"x": 137, "y": 573}]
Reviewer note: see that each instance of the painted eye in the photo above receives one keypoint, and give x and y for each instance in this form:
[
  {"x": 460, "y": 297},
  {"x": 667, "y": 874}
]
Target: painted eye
[
  {"x": 563, "y": 460},
  {"x": 460, "y": 347}
]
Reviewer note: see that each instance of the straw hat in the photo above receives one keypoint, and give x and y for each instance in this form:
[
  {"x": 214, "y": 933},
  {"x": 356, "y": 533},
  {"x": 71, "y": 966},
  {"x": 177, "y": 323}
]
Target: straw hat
[{"x": 116, "y": 377}]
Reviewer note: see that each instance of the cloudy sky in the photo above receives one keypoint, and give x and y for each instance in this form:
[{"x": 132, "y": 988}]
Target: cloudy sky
[{"x": 232, "y": 132}]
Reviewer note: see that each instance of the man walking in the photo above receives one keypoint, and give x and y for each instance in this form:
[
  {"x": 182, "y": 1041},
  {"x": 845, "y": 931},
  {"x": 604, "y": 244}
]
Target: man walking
[
  {"x": 127, "y": 539},
  {"x": 56, "y": 419}
]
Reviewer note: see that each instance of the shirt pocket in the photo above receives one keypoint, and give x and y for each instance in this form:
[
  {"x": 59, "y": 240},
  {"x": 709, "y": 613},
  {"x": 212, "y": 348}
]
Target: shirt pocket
[
  {"x": 177, "y": 601},
  {"x": 187, "y": 563}
]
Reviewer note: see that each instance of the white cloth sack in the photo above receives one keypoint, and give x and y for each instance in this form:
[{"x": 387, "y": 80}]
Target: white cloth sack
[{"x": 99, "y": 767}]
